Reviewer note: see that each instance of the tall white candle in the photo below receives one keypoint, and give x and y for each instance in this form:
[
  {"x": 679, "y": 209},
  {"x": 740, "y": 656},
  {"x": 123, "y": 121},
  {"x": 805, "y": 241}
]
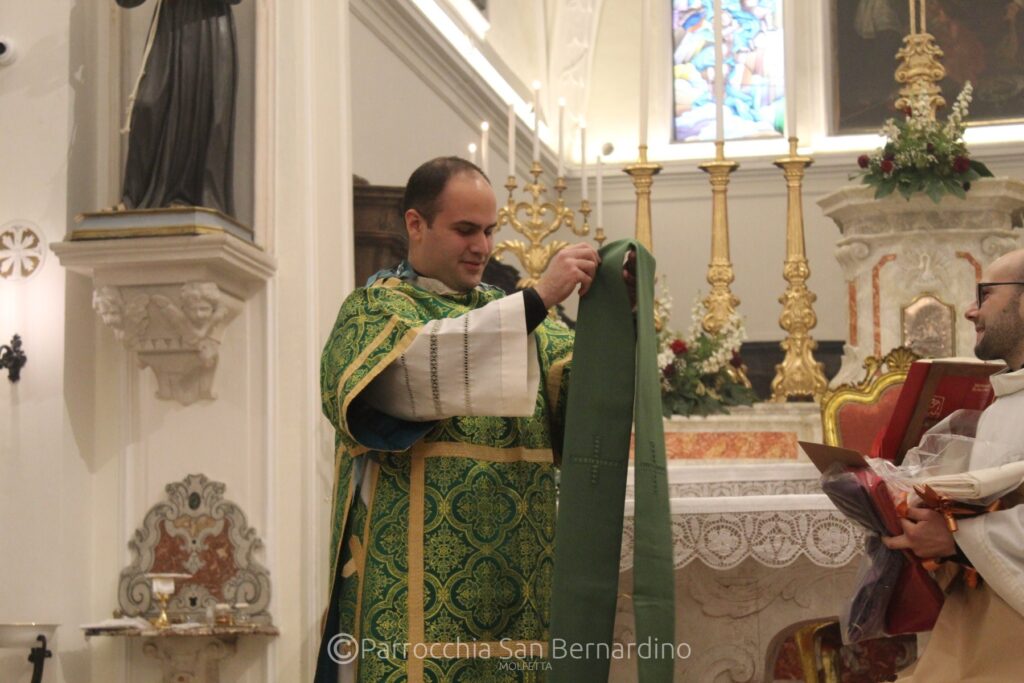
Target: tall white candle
[
  {"x": 536, "y": 120},
  {"x": 913, "y": 6},
  {"x": 485, "y": 131},
  {"x": 924, "y": 17},
  {"x": 583, "y": 155},
  {"x": 511, "y": 140},
  {"x": 600, "y": 197},
  {"x": 561, "y": 139},
  {"x": 472, "y": 152},
  {"x": 790, "y": 14},
  {"x": 719, "y": 76},
  {"x": 645, "y": 67}
]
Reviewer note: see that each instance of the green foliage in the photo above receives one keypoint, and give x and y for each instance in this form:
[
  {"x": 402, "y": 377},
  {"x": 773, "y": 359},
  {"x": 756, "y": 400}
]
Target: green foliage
[
  {"x": 695, "y": 381},
  {"x": 923, "y": 155}
]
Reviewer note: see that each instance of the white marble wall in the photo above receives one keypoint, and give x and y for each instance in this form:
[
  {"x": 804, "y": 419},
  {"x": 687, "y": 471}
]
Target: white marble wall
[{"x": 85, "y": 446}]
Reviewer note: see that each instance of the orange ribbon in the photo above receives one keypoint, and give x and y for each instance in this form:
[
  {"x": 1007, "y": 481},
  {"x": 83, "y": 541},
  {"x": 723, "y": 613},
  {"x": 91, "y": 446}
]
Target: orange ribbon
[{"x": 952, "y": 509}]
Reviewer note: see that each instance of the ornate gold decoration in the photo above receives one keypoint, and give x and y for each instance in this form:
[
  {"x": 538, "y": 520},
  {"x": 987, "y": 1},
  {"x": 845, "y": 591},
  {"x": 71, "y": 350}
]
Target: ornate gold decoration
[
  {"x": 537, "y": 220},
  {"x": 720, "y": 304},
  {"x": 879, "y": 375},
  {"x": 642, "y": 173},
  {"x": 811, "y": 649},
  {"x": 920, "y": 69},
  {"x": 798, "y": 374}
]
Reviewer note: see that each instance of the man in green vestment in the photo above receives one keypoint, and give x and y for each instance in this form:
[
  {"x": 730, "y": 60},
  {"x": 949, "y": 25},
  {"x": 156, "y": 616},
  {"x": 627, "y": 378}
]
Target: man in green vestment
[{"x": 447, "y": 399}]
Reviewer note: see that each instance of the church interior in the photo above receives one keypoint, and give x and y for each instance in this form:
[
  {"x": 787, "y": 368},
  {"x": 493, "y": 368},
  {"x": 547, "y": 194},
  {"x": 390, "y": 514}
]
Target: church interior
[{"x": 170, "y": 389}]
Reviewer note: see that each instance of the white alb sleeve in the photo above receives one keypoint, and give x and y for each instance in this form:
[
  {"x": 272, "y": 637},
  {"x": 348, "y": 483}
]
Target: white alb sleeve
[
  {"x": 992, "y": 542},
  {"x": 480, "y": 363}
]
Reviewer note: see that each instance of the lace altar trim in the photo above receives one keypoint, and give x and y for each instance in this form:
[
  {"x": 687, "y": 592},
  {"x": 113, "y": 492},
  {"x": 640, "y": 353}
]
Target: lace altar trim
[
  {"x": 773, "y": 538},
  {"x": 760, "y": 487}
]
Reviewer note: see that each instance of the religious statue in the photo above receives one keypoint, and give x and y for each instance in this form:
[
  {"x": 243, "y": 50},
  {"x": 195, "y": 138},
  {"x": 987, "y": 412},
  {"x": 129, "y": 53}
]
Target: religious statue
[{"x": 182, "y": 110}]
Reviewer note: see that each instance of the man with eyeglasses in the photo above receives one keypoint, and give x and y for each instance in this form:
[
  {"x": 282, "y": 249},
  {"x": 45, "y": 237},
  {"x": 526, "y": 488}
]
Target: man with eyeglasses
[{"x": 980, "y": 631}]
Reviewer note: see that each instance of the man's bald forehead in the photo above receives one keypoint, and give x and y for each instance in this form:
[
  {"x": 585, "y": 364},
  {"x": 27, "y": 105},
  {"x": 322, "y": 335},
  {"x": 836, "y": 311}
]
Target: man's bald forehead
[{"x": 1010, "y": 265}]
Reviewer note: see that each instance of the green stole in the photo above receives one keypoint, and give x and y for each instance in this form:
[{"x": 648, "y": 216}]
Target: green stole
[{"x": 614, "y": 361}]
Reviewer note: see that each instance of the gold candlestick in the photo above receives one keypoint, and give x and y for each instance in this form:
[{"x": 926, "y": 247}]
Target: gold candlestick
[
  {"x": 642, "y": 173},
  {"x": 720, "y": 304},
  {"x": 798, "y": 374},
  {"x": 537, "y": 220}
]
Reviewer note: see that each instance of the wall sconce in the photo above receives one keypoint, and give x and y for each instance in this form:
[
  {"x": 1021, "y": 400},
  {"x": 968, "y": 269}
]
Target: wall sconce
[{"x": 12, "y": 358}]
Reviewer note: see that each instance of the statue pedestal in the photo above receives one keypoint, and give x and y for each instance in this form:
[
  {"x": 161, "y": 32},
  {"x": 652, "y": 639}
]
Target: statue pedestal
[
  {"x": 911, "y": 266},
  {"x": 170, "y": 298}
]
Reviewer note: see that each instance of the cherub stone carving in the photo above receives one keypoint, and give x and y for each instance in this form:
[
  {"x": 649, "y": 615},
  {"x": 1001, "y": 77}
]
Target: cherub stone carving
[
  {"x": 199, "y": 319},
  {"x": 128, "y": 320}
]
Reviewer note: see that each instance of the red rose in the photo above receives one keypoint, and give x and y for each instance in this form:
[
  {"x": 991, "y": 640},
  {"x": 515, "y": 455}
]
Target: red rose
[
  {"x": 736, "y": 361},
  {"x": 961, "y": 164},
  {"x": 908, "y": 111},
  {"x": 669, "y": 371},
  {"x": 678, "y": 347},
  {"x": 887, "y": 166},
  {"x": 863, "y": 160}
]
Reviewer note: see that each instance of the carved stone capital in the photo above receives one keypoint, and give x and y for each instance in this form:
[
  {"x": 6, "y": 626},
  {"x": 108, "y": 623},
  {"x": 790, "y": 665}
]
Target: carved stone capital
[
  {"x": 174, "y": 329},
  {"x": 170, "y": 299}
]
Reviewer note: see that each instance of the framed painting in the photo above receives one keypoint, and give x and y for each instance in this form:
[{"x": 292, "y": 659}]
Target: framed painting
[{"x": 982, "y": 42}]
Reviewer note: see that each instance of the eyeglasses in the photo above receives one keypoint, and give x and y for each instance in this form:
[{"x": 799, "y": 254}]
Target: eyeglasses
[{"x": 982, "y": 286}]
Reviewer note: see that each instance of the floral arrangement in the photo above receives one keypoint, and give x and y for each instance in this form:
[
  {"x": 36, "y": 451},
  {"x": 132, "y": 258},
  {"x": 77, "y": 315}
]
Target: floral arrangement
[
  {"x": 695, "y": 371},
  {"x": 923, "y": 155}
]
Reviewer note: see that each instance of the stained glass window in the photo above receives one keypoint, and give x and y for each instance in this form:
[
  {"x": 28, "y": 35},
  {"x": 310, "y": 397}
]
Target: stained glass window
[{"x": 752, "y": 47}]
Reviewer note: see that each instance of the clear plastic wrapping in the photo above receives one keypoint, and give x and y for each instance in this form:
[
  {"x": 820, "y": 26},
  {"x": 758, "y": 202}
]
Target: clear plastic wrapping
[{"x": 947, "y": 462}]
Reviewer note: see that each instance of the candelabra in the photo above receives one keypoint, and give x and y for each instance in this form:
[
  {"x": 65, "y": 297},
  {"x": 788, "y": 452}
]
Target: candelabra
[
  {"x": 798, "y": 374},
  {"x": 720, "y": 304},
  {"x": 537, "y": 220}
]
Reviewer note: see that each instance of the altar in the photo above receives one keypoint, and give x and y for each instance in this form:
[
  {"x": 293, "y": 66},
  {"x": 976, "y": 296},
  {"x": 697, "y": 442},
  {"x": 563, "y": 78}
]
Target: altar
[{"x": 759, "y": 552}]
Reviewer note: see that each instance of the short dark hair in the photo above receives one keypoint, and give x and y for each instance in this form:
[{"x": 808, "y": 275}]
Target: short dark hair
[{"x": 428, "y": 182}]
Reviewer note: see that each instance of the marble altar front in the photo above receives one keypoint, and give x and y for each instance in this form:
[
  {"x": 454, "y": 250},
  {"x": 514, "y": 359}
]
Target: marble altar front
[
  {"x": 758, "y": 552},
  {"x": 763, "y": 432}
]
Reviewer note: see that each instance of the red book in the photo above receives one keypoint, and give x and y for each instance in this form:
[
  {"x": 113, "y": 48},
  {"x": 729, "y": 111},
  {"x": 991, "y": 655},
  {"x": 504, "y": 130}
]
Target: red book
[{"x": 934, "y": 389}]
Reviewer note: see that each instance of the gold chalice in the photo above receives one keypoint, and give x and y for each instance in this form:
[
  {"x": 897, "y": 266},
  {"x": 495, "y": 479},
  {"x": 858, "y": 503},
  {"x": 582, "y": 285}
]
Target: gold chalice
[{"x": 163, "y": 590}]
